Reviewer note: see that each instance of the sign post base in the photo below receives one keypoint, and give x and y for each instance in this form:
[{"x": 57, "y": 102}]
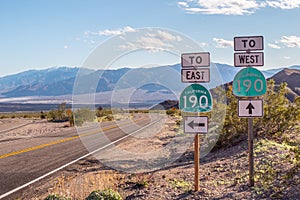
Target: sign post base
[{"x": 197, "y": 162}]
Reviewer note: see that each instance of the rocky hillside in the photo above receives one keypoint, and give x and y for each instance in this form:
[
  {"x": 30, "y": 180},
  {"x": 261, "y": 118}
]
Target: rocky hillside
[{"x": 292, "y": 78}]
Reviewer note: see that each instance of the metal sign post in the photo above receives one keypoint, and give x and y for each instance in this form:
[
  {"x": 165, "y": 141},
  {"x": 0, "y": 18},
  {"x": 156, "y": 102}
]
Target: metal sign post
[
  {"x": 197, "y": 162},
  {"x": 250, "y": 149},
  {"x": 195, "y": 99},
  {"x": 249, "y": 82}
]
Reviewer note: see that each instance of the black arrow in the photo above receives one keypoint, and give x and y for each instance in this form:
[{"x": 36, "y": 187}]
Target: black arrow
[
  {"x": 192, "y": 124},
  {"x": 250, "y": 107}
]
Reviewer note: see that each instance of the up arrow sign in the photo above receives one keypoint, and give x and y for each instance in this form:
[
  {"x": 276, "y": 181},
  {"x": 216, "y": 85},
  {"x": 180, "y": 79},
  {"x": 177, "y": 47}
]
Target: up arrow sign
[{"x": 250, "y": 107}]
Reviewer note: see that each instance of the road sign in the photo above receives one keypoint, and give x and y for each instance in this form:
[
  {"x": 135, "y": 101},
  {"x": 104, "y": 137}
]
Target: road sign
[
  {"x": 195, "y": 98},
  {"x": 195, "y": 59},
  {"x": 195, "y": 75},
  {"x": 249, "y": 59},
  {"x": 250, "y": 108},
  {"x": 249, "y": 82},
  {"x": 196, "y": 124},
  {"x": 250, "y": 43}
]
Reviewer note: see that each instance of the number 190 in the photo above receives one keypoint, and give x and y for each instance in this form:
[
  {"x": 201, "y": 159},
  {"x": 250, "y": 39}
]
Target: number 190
[
  {"x": 202, "y": 101},
  {"x": 258, "y": 85}
]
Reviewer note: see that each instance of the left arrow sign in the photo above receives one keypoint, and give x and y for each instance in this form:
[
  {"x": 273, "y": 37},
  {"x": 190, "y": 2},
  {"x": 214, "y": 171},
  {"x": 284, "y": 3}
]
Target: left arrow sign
[
  {"x": 192, "y": 124},
  {"x": 196, "y": 124}
]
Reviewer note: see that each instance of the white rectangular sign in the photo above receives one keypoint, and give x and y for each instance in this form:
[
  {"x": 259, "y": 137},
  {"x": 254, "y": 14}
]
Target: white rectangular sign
[
  {"x": 249, "y": 43},
  {"x": 249, "y": 59},
  {"x": 196, "y": 124},
  {"x": 195, "y": 59},
  {"x": 250, "y": 108},
  {"x": 195, "y": 75}
]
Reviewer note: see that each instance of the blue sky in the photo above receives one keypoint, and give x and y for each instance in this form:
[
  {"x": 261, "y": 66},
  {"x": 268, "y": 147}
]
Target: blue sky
[{"x": 41, "y": 34}]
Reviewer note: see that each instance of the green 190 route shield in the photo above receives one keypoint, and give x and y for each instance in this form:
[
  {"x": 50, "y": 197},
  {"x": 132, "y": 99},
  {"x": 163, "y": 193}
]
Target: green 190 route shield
[
  {"x": 195, "y": 98},
  {"x": 249, "y": 82}
]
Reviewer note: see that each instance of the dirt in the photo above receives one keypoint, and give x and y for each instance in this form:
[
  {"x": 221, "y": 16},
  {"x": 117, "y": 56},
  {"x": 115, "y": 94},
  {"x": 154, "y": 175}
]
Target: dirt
[
  {"x": 30, "y": 128},
  {"x": 223, "y": 174}
]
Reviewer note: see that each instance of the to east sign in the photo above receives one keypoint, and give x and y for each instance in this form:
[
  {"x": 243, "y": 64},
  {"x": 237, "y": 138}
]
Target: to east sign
[
  {"x": 250, "y": 108},
  {"x": 195, "y": 75},
  {"x": 248, "y": 43},
  {"x": 195, "y": 98},
  {"x": 249, "y": 82},
  {"x": 249, "y": 59},
  {"x": 195, "y": 59},
  {"x": 195, "y": 124}
]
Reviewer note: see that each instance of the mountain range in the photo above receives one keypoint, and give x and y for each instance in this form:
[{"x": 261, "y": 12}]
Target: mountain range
[
  {"x": 159, "y": 82},
  {"x": 292, "y": 77}
]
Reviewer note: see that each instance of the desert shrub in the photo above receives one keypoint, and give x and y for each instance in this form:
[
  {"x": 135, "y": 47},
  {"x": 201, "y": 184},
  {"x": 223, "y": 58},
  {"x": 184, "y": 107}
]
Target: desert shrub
[
  {"x": 280, "y": 115},
  {"x": 234, "y": 126},
  {"x": 57, "y": 116},
  {"x": 83, "y": 115},
  {"x": 56, "y": 197},
  {"x": 181, "y": 184},
  {"x": 142, "y": 180},
  {"x": 171, "y": 112},
  {"x": 43, "y": 115},
  {"x": 107, "y": 194},
  {"x": 101, "y": 112}
]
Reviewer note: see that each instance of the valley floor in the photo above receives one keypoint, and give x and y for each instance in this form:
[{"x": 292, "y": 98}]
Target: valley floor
[{"x": 223, "y": 175}]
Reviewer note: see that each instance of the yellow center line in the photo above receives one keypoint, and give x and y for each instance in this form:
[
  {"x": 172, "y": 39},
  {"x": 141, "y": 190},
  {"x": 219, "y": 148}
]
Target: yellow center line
[{"x": 62, "y": 140}]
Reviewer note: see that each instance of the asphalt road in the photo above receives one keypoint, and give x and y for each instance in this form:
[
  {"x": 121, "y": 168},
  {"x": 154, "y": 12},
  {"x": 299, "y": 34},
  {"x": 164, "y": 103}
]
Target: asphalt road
[{"x": 24, "y": 160}]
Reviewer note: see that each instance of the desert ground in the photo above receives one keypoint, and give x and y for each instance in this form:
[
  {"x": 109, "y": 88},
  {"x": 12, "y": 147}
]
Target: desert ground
[{"x": 223, "y": 172}]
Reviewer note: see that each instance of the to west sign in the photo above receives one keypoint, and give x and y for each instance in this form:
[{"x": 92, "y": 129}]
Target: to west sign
[
  {"x": 248, "y": 43},
  {"x": 249, "y": 59},
  {"x": 195, "y": 59}
]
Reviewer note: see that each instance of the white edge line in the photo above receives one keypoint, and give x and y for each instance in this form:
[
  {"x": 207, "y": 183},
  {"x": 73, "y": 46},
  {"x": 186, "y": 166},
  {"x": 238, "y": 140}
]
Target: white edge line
[{"x": 72, "y": 162}]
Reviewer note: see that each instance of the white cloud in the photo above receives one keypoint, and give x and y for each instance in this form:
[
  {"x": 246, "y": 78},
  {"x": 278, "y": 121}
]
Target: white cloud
[
  {"x": 162, "y": 35},
  {"x": 154, "y": 41},
  {"x": 290, "y": 41},
  {"x": 221, "y": 43},
  {"x": 91, "y": 37},
  {"x": 116, "y": 32},
  {"x": 274, "y": 46},
  {"x": 284, "y": 4},
  {"x": 233, "y": 7},
  {"x": 204, "y": 44},
  {"x": 66, "y": 46},
  {"x": 228, "y": 7},
  {"x": 108, "y": 32},
  {"x": 183, "y": 4},
  {"x": 287, "y": 57}
]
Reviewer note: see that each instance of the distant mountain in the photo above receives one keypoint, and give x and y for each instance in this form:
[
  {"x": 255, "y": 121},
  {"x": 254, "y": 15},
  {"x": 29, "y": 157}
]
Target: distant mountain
[
  {"x": 156, "y": 81},
  {"x": 63, "y": 84},
  {"x": 271, "y": 72},
  {"x": 292, "y": 77},
  {"x": 38, "y": 77},
  {"x": 166, "y": 105}
]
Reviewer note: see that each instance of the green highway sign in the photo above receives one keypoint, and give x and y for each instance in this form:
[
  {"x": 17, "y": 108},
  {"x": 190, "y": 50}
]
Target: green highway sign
[
  {"x": 195, "y": 98},
  {"x": 249, "y": 82}
]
